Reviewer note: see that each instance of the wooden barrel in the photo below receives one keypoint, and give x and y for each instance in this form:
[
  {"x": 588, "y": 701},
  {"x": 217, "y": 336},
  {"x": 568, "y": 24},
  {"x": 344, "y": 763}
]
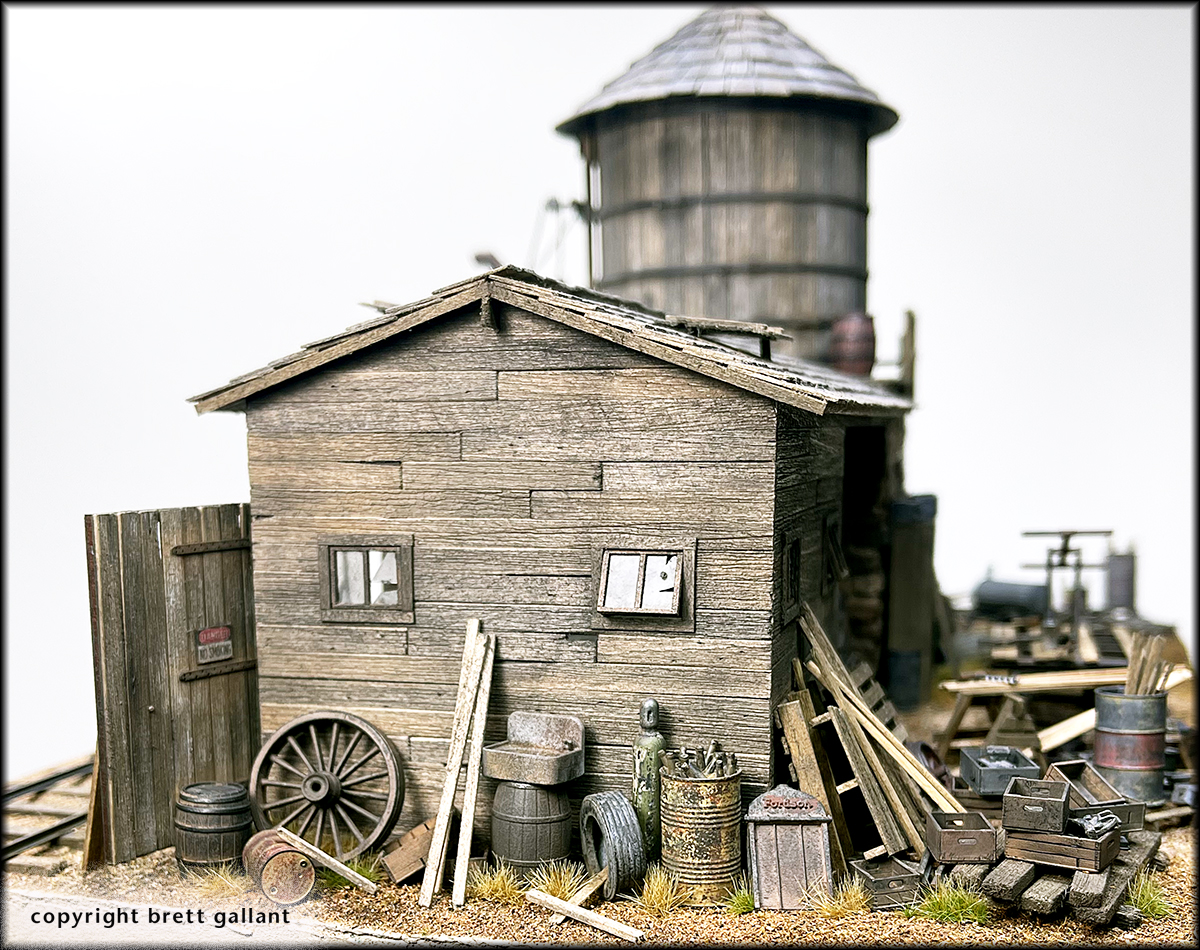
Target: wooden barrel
[
  {"x": 852, "y": 344},
  {"x": 702, "y": 833},
  {"x": 531, "y": 824},
  {"x": 285, "y": 875},
  {"x": 212, "y": 825}
]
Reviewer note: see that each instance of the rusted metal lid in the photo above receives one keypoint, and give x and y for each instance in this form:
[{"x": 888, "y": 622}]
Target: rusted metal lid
[{"x": 783, "y": 803}]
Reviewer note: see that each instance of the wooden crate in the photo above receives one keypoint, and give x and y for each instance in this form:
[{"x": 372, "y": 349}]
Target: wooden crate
[
  {"x": 1032, "y": 804},
  {"x": 1132, "y": 814},
  {"x": 1063, "y": 851},
  {"x": 1085, "y": 786},
  {"x": 892, "y": 883},
  {"x": 993, "y": 779},
  {"x": 971, "y": 800},
  {"x": 960, "y": 837}
]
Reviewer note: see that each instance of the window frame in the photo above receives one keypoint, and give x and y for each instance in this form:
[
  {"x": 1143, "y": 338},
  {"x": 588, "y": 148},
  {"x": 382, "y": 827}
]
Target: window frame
[
  {"x": 791, "y": 562},
  {"x": 638, "y": 609},
  {"x": 682, "y": 622},
  {"x": 399, "y": 544}
]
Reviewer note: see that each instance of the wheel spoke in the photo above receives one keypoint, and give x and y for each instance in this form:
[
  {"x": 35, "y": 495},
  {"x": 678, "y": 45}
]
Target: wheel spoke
[
  {"x": 337, "y": 835},
  {"x": 282, "y": 802},
  {"x": 312, "y": 734},
  {"x": 287, "y": 765},
  {"x": 354, "y": 768},
  {"x": 350, "y": 824},
  {"x": 374, "y": 796},
  {"x": 320, "y": 826},
  {"x": 292, "y": 816},
  {"x": 362, "y": 778},
  {"x": 303, "y": 758},
  {"x": 362, "y": 811},
  {"x": 346, "y": 754},
  {"x": 304, "y": 826},
  {"x": 280, "y": 784},
  {"x": 333, "y": 738}
]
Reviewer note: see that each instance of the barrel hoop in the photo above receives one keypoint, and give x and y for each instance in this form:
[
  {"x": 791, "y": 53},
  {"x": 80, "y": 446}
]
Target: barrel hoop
[
  {"x": 853, "y": 271},
  {"x": 679, "y": 202}
]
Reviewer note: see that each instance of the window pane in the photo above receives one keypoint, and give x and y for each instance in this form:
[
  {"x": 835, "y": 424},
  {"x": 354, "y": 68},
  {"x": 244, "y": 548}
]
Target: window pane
[
  {"x": 621, "y": 590},
  {"x": 658, "y": 588},
  {"x": 348, "y": 566},
  {"x": 383, "y": 578}
]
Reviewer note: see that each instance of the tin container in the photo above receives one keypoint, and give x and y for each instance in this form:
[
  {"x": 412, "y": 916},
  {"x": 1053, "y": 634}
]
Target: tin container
[
  {"x": 702, "y": 833},
  {"x": 285, "y": 875},
  {"x": 1131, "y": 743}
]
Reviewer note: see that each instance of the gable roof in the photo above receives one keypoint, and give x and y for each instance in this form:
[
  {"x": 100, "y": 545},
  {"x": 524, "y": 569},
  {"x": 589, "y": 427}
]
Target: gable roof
[
  {"x": 735, "y": 51},
  {"x": 810, "y": 386}
]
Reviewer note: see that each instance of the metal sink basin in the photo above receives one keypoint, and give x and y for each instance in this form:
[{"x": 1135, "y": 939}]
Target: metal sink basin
[{"x": 540, "y": 749}]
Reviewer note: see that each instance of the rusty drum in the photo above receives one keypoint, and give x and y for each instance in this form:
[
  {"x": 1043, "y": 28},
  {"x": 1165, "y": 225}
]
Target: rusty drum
[
  {"x": 702, "y": 833},
  {"x": 285, "y": 875},
  {"x": 852, "y": 344},
  {"x": 531, "y": 824},
  {"x": 212, "y": 825},
  {"x": 1130, "y": 751}
]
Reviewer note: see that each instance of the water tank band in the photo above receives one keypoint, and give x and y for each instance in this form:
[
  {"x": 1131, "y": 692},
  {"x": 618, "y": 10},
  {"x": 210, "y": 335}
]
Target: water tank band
[
  {"x": 678, "y": 202},
  {"x": 729, "y": 270}
]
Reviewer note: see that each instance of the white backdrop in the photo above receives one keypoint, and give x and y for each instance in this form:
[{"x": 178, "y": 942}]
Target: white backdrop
[{"x": 195, "y": 191}]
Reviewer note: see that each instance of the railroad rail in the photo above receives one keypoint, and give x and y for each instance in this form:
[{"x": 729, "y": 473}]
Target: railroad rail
[{"x": 23, "y": 800}]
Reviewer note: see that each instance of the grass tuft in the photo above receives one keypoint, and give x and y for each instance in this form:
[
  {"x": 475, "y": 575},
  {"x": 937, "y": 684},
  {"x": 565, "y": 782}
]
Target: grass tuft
[
  {"x": 365, "y": 864},
  {"x": 1146, "y": 894},
  {"x": 559, "y": 879},
  {"x": 499, "y": 884},
  {"x": 849, "y": 897},
  {"x": 662, "y": 892},
  {"x": 951, "y": 904},
  {"x": 741, "y": 899},
  {"x": 223, "y": 883}
]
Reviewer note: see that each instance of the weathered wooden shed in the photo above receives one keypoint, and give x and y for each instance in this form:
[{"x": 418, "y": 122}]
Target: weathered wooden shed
[{"x": 528, "y": 453}]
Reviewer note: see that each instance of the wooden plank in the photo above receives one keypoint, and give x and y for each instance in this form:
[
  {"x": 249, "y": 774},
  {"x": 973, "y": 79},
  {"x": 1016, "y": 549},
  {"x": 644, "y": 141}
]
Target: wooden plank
[
  {"x": 411, "y": 850},
  {"x": 387, "y": 383},
  {"x": 95, "y": 832},
  {"x": 869, "y": 783},
  {"x": 265, "y": 448},
  {"x": 162, "y": 730},
  {"x": 392, "y": 504},
  {"x": 586, "y": 890},
  {"x": 317, "y": 475},
  {"x": 1143, "y": 846},
  {"x": 636, "y": 382},
  {"x": 808, "y": 775},
  {"x": 1008, "y": 879},
  {"x": 1047, "y": 895},
  {"x": 1087, "y": 888},
  {"x": 216, "y": 613},
  {"x": 472, "y": 669},
  {"x": 206, "y": 547},
  {"x": 496, "y": 475},
  {"x": 589, "y": 917},
  {"x": 474, "y": 760},
  {"x": 179, "y": 646},
  {"x": 327, "y": 860},
  {"x": 198, "y": 707}
]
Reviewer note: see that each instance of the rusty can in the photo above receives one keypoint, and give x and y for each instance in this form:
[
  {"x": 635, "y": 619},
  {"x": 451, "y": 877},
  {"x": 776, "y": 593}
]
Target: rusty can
[
  {"x": 702, "y": 833},
  {"x": 1130, "y": 750},
  {"x": 285, "y": 875}
]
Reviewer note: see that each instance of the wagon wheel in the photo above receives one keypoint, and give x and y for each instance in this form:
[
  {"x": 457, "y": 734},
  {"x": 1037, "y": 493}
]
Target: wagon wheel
[{"x": 331, "y": 778}]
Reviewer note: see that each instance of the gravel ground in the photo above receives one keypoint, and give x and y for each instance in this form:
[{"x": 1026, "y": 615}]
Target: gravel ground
[{"x": 155, "y": 879}]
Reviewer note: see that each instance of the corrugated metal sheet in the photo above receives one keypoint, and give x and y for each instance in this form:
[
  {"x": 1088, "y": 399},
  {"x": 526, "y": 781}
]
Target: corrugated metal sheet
[
  {"x": 734, "y": 51},
  {"x": 799, "y": 383}
]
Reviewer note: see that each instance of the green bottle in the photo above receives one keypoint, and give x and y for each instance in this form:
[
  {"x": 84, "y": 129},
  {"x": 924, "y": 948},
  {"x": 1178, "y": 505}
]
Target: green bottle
[{"x": 646, "y": 749}]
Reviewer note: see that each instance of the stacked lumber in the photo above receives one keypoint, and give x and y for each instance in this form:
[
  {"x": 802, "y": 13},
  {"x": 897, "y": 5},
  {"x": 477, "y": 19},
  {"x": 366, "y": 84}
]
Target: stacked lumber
[
  {"x": 1148, "y": 671},
  {"x": 852, "y": 760}
]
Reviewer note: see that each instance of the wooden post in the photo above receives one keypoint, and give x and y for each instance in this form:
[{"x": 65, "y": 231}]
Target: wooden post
[
  {"x": 466, "y": 826},
  {"x": 468, "y": 684},
  {"x": 589, "y": 917},
  {"x": 326, "y": 859}
]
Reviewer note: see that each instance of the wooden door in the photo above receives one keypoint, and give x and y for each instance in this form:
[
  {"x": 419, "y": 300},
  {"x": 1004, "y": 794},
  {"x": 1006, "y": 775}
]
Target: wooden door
[{"x": 172, "y": 603}]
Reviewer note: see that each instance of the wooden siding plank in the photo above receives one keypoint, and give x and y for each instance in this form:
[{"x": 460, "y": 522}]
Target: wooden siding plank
[
  {"x": 179, "y": 647},
  {"x": 330, "y": 476},
  {"x": 674, "y": 650},
  {"x": 396, "y": 504},
  {"x": 216, "y": 614},
  {"x": 331, "y": 446},
  {"x": 162, "y": 738},
  {"x": 250, "y": 679},
  {"x": 388, "y": 384},
  {"x": 493, "y": 475},
  {"x": 746, "y": 479},
  {"x": 197, "y": 693},
  {"x": 641, "y": 383},
  {"x": 651, "y": 510}
]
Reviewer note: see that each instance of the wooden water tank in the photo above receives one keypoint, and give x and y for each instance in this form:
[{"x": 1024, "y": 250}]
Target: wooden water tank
[{"x": 727, "y": 178}]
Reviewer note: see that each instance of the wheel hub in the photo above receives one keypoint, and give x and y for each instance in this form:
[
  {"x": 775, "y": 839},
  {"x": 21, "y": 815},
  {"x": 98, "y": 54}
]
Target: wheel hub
[{"x": 321, "y": 788}]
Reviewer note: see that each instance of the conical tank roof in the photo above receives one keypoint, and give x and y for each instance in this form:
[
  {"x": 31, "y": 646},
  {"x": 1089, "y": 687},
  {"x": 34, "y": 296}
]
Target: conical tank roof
[{"x": 735, "y": 51}]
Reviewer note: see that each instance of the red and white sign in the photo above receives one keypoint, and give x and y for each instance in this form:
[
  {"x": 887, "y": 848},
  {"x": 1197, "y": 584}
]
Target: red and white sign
[{"x": 214, "y": 643}]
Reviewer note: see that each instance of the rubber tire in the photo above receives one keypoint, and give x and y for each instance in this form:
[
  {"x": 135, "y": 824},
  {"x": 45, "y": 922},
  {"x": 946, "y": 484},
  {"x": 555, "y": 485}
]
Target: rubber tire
[{"x": 609, "y": 831}]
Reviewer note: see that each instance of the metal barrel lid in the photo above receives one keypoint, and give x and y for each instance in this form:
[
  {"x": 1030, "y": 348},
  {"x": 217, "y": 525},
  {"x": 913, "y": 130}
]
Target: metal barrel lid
[{"x": 210, "y": 796}]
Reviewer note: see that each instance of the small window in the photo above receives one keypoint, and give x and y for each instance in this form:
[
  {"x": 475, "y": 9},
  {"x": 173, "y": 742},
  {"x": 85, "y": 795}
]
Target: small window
[
  {"x": 368, "y": 580},
  {"x": 640, "y": 582}
]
